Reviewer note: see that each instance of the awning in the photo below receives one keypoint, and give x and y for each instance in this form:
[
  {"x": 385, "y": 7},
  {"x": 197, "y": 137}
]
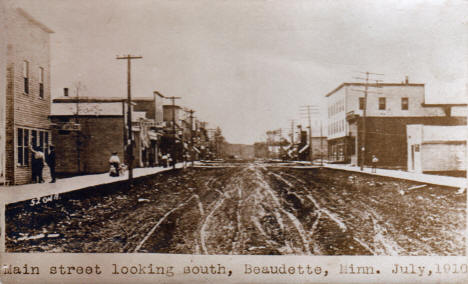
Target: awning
[
  {"x": 304, "y": 148},
  {"x": 152, "y": 135}
]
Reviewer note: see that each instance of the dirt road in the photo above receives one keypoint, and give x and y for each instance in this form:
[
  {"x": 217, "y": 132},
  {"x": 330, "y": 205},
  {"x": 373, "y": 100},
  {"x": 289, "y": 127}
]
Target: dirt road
[{"x": 251, "y": 209}]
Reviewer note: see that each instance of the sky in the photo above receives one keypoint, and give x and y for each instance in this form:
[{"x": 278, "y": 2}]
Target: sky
[{"x": 249, "y": 66}]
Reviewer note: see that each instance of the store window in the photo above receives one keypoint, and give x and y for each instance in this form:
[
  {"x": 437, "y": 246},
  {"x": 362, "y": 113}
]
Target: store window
[{"x": 22, "y": 147}]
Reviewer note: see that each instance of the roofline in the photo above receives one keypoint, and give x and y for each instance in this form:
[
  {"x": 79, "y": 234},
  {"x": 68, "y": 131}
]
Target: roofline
[
  {"x": 86, "y": 115},
  {"x": 148, "y": 99},
  {"x": 98, "y": 99},
  {"x": 158, "y": 93},
  {"x": 34, "y": 21},
  {"x": 443, "y": 105},
  {"x": 372, "y": 85},
  {"x": 89, "y": 99}
]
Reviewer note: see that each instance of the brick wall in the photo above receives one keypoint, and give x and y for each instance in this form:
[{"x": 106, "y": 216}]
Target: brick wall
[
  {"x": 100, "y": 136},
  {"x": 386, "y": 137}
]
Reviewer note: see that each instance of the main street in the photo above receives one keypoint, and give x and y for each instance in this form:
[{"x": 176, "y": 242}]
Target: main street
[{"x": 250, "y": 208}]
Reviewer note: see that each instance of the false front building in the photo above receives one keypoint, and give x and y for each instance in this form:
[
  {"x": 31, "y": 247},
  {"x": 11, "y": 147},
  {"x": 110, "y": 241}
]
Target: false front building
[
  {"x": 24, "y": 92},
  {"x": 381, "y": 130}
]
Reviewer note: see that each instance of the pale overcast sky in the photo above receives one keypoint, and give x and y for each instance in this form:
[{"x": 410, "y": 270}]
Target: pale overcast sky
[{"x": 247, "y": 66}]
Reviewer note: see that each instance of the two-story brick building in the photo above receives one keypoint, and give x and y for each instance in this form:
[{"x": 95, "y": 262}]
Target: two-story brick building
[
  {"x": 390, "y": 108},
  {"x": 25, "y": 92}
]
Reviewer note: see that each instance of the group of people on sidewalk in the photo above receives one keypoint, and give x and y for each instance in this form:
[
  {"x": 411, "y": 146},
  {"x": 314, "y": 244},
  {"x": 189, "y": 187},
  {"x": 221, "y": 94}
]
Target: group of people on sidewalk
[
  {"x": 166, "y": 160},
  {"x": 116, "y": 168},
  {"x": 38, "y": 160}
]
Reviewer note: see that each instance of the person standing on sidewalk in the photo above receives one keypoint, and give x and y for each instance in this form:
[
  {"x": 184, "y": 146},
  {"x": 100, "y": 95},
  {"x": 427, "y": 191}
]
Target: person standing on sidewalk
[
  {"x": 51, "y": 162},
  {"x": 114, "y": 162},
  {"x": 375, "y": 160},
  {"x": 37, "y": 164},
  {"x": 169, "y": 160},
  {"x": 164, "y": 160}
]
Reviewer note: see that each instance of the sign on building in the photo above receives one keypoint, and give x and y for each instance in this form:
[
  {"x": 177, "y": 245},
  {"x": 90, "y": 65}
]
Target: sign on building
[{"x": 70, "y": 126}]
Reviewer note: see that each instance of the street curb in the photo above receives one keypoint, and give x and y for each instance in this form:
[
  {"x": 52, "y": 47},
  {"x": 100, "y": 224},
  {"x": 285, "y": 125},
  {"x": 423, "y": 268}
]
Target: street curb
[{"x": 391, "y": 177}]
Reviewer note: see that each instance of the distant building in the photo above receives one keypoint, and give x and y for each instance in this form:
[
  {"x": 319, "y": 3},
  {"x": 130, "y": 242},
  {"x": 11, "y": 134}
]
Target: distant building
[
  {"x": 152, "y": 107},
  {"x": 390, "y": 107},
  {"x": 172, "y": 110},
  {"x": 171, "y": 143},
  {"x": 261, "y": 150},
  {"x": 437, "y": 149},
  {"x": 24, "y": 92},
  {"x": 239, "y": 151},
  {"x": 319, "y": 149}
]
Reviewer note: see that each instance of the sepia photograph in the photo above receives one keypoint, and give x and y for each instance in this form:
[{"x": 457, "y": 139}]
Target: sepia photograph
[{"x": 233, "y": 128}]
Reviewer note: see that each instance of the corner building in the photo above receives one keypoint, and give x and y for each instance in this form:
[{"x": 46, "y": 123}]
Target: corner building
[{"x": 390, "y": 108}]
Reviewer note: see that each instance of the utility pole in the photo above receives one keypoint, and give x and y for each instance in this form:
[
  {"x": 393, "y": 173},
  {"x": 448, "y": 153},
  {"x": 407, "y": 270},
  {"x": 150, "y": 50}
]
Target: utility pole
[
  {"x": 77, "y": 133},
  {"x": 129, "y": 116},
  {"x": 173, "y": 131},
  {"x": 191, "y": 136},
  {"x": 311, "y": 155},
  {"x": 267, "y": 142},
  {"x": 314, "y": 110},
  {"x": 280, "y": 143},
  {"x": 363, "y": 149},
  {"x": 292, "y": 138},
  {"x": 321, "y": 144},
  {"x": 292, "y": 132},
  {"x": 364, "y": 111}
]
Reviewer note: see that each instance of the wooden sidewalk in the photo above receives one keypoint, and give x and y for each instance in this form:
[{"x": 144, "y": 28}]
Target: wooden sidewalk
[{"x": 14, "y": 194}]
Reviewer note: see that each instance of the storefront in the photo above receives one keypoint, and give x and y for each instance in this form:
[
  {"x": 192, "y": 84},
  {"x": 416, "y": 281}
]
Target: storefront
[{"x": 341, "y": 149}]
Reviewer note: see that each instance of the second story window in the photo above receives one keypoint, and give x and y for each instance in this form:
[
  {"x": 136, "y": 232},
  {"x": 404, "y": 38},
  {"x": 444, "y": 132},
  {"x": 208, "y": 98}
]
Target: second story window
[
  {"x": 361, "y": 103},
  {"x": 382, "y": 103},
  {"x": 41, "y": 82},
  {"x": 404, "y": 103},
  {"x": 26, "y": 76}
]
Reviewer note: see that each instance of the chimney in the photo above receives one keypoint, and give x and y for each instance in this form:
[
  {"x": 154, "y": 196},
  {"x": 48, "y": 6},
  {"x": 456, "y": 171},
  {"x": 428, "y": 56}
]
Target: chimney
[
  {"x": 65, "y": 92},
  {"x": 406, "y": 80}
]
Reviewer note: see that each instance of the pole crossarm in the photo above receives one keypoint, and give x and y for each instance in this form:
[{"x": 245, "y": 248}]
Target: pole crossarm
[{"x": 129, "y": 57}]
